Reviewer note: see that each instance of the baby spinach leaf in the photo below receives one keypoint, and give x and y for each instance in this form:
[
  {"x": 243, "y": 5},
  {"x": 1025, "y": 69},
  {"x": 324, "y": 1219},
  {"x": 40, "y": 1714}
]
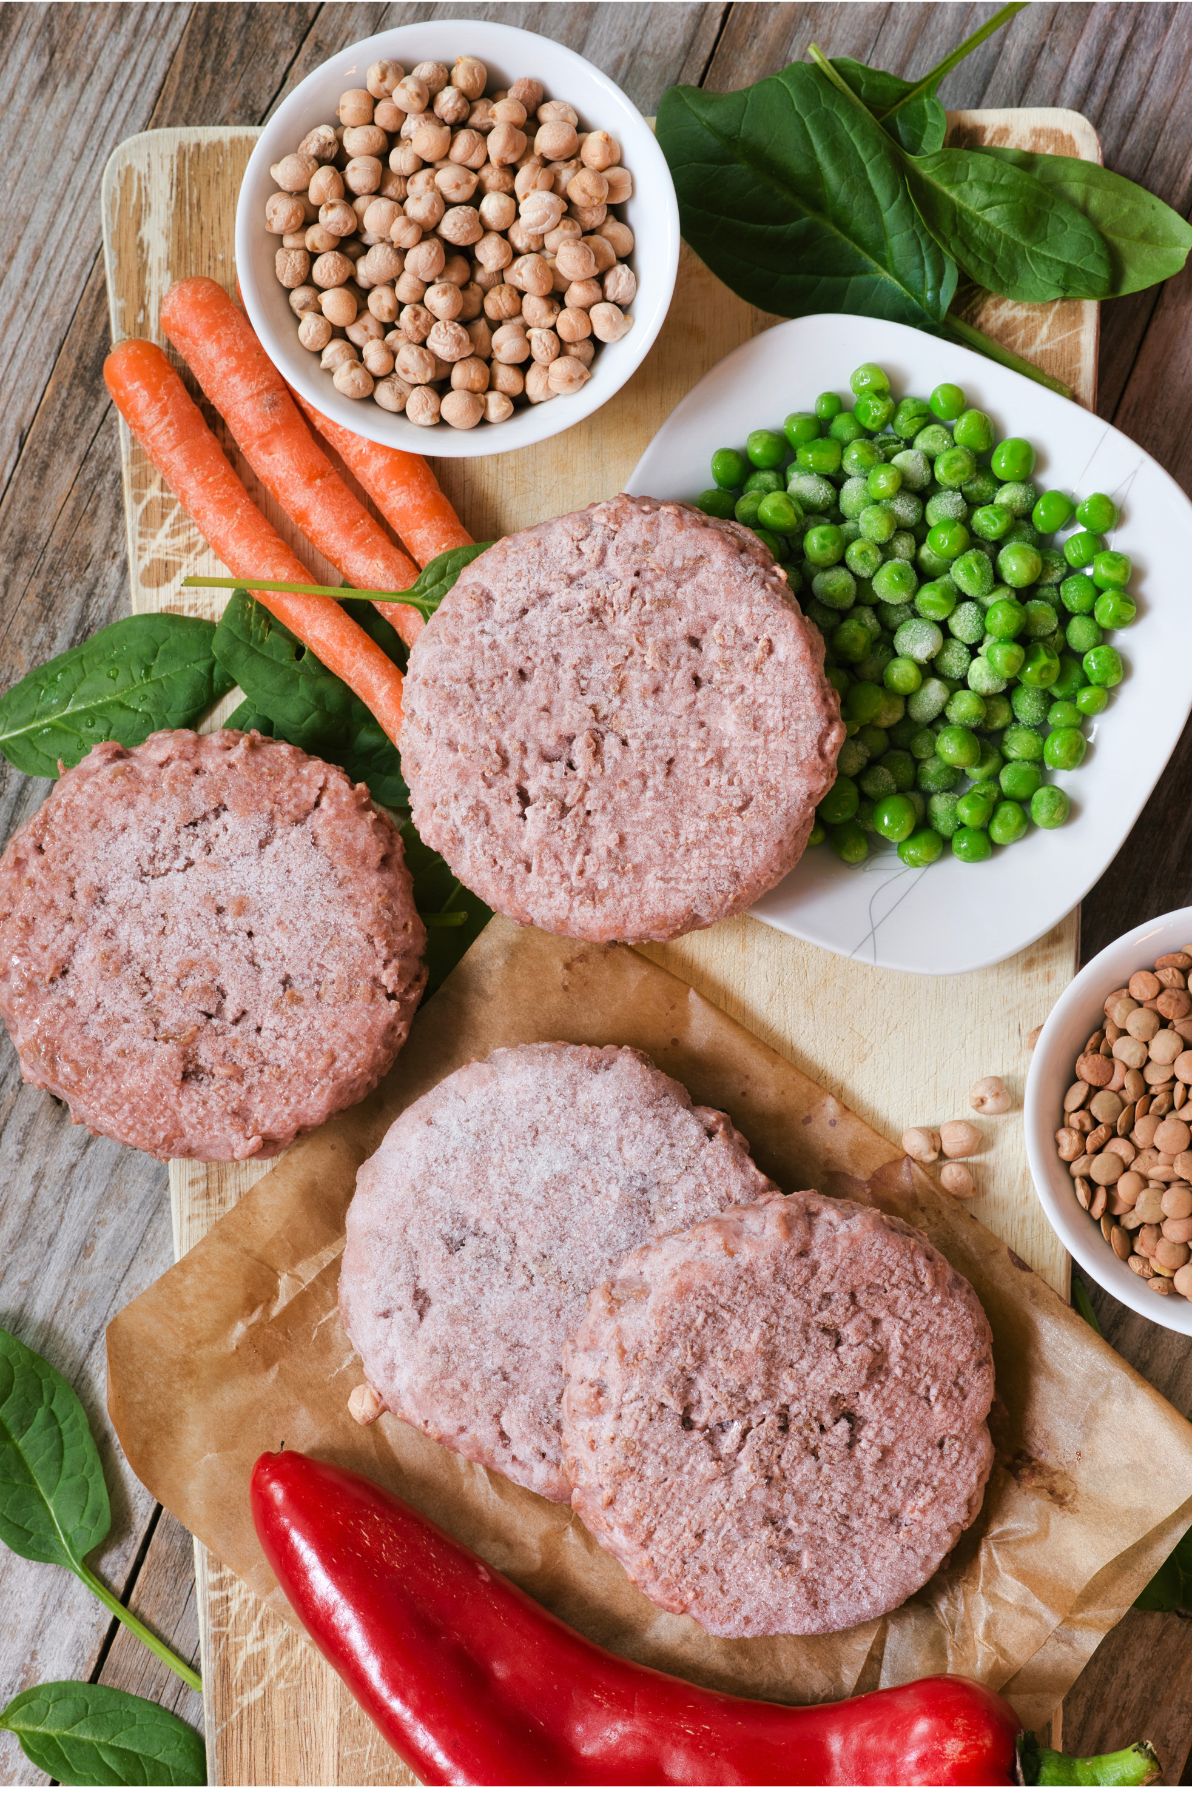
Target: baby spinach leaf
[
  {"x": 1148, "y": 242},
  {"x": 796, "y": 198},
  {"x": 53, "y": 1498},
  {"x": 246, "y": 717},
  {"x": 1006, "y": 230},
  {"x": 130, "y": 678},
  {"x": 83, "y": 1735},
  {"x": 439, "y": 896},
  {"x": 918, "y": 126},
  {"x": 439, "y": 576},
  {"x": 1170, "y": 1590}
]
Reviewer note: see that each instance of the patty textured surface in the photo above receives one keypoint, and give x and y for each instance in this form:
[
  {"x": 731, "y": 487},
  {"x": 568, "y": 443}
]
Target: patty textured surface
[
  {"x": 207, "y": 944},
  {"x": 777, "y": 1420},
  {"x": 617, "y": 724},
  {"x": 492, "y": 1206}
]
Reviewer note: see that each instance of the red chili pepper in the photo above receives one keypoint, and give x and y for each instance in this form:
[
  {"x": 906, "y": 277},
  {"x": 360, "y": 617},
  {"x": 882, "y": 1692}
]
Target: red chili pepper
[{"x": 475, "y": 1684}]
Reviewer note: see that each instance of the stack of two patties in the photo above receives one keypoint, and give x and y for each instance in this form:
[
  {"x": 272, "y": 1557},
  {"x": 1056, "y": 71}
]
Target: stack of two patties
[{"x": 772, "y": 1409}]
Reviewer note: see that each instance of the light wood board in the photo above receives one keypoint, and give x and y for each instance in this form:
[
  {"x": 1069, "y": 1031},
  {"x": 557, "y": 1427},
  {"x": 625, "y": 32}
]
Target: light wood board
[{"x": 899, "y": 1049}]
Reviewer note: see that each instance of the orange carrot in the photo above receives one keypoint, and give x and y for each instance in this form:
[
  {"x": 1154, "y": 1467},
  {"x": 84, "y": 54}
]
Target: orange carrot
[
  {"x": 217, "y": 341},
  {"x": 403, "y": 487},
  {"x": 172, "y": 431}
]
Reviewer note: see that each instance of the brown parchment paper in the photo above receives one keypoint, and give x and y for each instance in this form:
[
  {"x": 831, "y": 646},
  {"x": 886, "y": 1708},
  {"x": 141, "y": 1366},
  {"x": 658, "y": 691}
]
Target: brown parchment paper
[{"x": 239, "y": 1348}]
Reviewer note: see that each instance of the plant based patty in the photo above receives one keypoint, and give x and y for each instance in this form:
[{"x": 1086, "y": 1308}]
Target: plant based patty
[
  {"x": 617, "y": 724},
  {"x": 776, "y": 1420},
  {"x": 492, "y": 1206},
  {"x": 207, "y": 944}
]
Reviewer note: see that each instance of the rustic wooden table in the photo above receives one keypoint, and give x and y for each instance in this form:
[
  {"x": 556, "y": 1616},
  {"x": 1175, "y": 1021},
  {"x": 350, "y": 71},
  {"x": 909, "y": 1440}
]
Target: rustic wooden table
[{"x": 84, "y": 1225}]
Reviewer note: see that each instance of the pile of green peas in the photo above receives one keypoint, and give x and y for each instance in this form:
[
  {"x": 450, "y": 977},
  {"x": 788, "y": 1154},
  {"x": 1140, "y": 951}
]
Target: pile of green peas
[{"x": 967, "y": 650}]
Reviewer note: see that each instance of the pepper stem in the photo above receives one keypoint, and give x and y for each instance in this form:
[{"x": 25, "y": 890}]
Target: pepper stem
[{"x": 1135, "y": 1766}]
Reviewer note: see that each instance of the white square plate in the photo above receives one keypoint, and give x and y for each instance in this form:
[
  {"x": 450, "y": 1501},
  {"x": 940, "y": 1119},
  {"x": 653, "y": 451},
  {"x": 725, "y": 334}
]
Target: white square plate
[{"x": 956, "y": 916}]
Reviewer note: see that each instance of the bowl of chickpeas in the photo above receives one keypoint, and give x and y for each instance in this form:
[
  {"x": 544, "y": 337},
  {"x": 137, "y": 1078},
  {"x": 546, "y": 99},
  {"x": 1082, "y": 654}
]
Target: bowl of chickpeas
[{"x": 457, "y": 238}]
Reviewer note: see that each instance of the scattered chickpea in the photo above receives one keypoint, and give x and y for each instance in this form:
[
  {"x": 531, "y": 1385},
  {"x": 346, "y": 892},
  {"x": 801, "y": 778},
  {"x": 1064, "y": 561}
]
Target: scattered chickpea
[
  {"x": 960, "y": 1138},
  {"x": 958, "y": 1180},
  {"x": 991, "y": 1096},
  {"x": 922, "y": 1144},
  {"x": 448, "y": 250},
  {"x": 365, "y": 1405}
]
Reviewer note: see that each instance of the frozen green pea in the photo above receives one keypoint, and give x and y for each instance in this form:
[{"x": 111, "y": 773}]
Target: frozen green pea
[
  {"x": 1041, "y": 618},
  {"x": 824, "y": 617},
  {"x": 923, "y": 742},
  {"x": 771, "y": 539},
  {"x": 853, "y": 758},
  {"x": 942, "y": 812},
  {"x": 863, "y": 557},
  {"x": 869, "y": 378},
  {"x": 908, "y": 508},
  {"x": 929, "y": 701},
  {"x": 865, "y": 816},
  {"x": 850, "y": 842},
  {"x": 902, "y": 545},
  {"x": 884, "y": 482},
  {"x": 932, "y": 439},
  {"x": 1083, "y": 633},
  {"x": 998, "y": 712},
  {"x": 972, "y": 572},
  {"x": 931, "y": 566},
  {"x": 873, "y": 411},
  {"x": 876, "y": 782},
  {"x": 912, "y": 415},
  {"x": 1018, "y": 496},
  {"x": 936, "y": 776},
  {"x": 991, "y": 522},
  {"x": 1078, "y": 593},
  {"x": 954, "y": 466},
  {"x": 834, "y": 587},
  {"x": 875, "y": 739},
  {"x": 814, "y": 492},
  {"x": 767, "y": 449},
  {"x": 1013, "y": 459},
  {"x": 1006, "y": 657},
  {"x": 1049, "y": 808},
  {"x": 989, "y": 764},
  {"x": 1022, "y": 532},
  {"x": 1040, "y": 667},
  {"x": 1103, "y": 666},
  {"x": 1008, "y": 824},
  {"x": 841, "y": 802},
  {"x": 1111, "y": 570},
  {"x": 973, "y": 429},
  {"x": 876, "y": 522},
  {"x": 1070, "y": 677},
  {"x": 895, "y": 818},
  {"x": 952, "y": 661},
  {"x": 1091, "y": 700},
  {"x": 902, "y": 766},
  {"x": 936, "y": 599},
  {"x": 1020, "y": 780},
  {"x": 1004, "y": 618},
  {"x": 975, "y": 807},
  {"x": 870, "y": 669},
  {"x": 1021, "y": 743},
  {"x": 798, "y": 428},
  {"x": 765, "y": 481},
  {"x": 823, "y": 545},
  {"x": 892, "y": 614},
  {"x": 1064, "y": 712},
  {"x": 1051, "y": 511},
  {"x": 1096, "y": 513},
  {"x": 844, "y": 428},
  {"x": 862, "y": 701},
  {"x": 778, "y": 513},
  {"x": 1064, "y": 748},
  {"x": 745, "y": 509},
  {"x": 921, "y": 849},
  {"x": 729, "y": 468},
  {"x": 838, "y": 679},
  {"x": 853, "y": 497},
  {"x": 919, "y": 638},
  {"x": 981, "y": 490},
  {"x": 718, "y": 503},
  {"x": 967, "y": 621},
  {"x": 971, "y": 845},
  {"x": 983, "y": 677},
  {"x": 1081, "y": 548},
  {"x": 817, "y": 834},
  {"x": 1115, "y": 609},
  {"x": 913, "y": 467},
  {"x": 902, "y": 734},
  {"x": 859, "y": 457},
  {"x": 1019, "y": 564},
  {"x": 870, "y": 618},
  {"x": 966, "y": 708},
  {"x": 947, "y": 401},
  {"x": 949, "y": 538},
  {"x": 946, "y": 503},
  {"x": 850, "y": 640},
  {"x": 1054, "y": 565}
]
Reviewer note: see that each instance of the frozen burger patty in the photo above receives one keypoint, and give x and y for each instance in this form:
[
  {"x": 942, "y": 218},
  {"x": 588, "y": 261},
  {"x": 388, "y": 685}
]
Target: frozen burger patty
[
  {"x": 776, "y": 1420},
  {"x": 617, "y": 724},
  {"x": 491, "y": 1208},
  {"x": 207, "y": 943}
]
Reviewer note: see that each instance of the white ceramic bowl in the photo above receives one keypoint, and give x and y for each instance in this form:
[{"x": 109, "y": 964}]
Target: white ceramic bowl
[
  {"x": 1051, "y": 1072},
  {"x": 652, "y": 214},
  {"x": 958, "y": 916}
]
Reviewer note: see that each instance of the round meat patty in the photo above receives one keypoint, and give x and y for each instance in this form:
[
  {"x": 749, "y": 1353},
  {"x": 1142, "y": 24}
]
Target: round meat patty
[
  {"x": 492, "y": 1206},
  {"x": 777, "y": 1420},
  {"x": 207, "y": 943},
  {"x": 617, "y": 724}
]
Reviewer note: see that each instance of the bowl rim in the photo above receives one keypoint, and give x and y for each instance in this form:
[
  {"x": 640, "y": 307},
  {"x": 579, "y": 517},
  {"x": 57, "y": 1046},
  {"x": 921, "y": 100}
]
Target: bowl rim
[
  {"x": 1087, "y": 1247},
  {"x": 657, "y": 264}
]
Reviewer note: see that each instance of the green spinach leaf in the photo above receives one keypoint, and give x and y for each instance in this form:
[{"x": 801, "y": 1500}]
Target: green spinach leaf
[
  {"x": 797, "y": 200},
  {"x": 83, "y": 1735},
  {"x": 246, "y": 717},
  {"x": 1006, "y": 230},
  {"x": 1170, "y": 1590},
  {"x": 439, "y": 576},
  {"x": 453, "y": 915},
  {"x": 53, "y": 1497},
  {"x": 1148, "y": 242},
  {"x": 918, "y": 126},
  {"x": 135, "y": 676}
]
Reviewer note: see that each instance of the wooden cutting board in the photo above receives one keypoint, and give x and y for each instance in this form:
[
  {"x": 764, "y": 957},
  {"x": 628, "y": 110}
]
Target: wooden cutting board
[{"x": 899, "y": 1049}]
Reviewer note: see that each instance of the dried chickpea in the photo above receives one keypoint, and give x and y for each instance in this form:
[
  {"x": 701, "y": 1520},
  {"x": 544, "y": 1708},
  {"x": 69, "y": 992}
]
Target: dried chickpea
[
  {"x": 497, "y": 210},
  {"x": 469, "y": 76},
  {"x": 388, "y": 116},
  {"x": 532, "y": 176},
  {"x": 531, "y": 275},
  {"x": 461, "y": 225},
  {"x": 304, "y": 300},
  {"x": 415, "y": 323},
  {"x": 314, "y": 331},
  {"x": 505, "y": 145},
  {"x": 540, "y": 309},
  {"x": 599, "y": 150},
  {"x": 528, "y": 91},
  {"x": 471, "y": 295},
  {"x": 425, "y": 260},
  {"x": 292, "y": 267},
  {"x": 336, "y": 352},
  {"x": 557, "y": 109},
  {"x": 409, "y": 288},
  {"x": 620, "y": 284},
  {"x": 620, "y": 185},
  {"x": 584, "y": 293},
  {"x": 496, "y": 408},
  {"x": 294, "y": 240},
  {"x": 363, "y": 327},
  {"x": 507, "y": 378},
  {"x": 403, "y": 160},
  {"x": 508, "y": 112},
  {"x": 482, "y": 116},
  {"x": 381, "y": 265},
  {"x": 493, "y": 250},
  {"x": 451, "y": 106},
  {"x": 293, "y": 173},
  {"x": 318, "y": 240},
  {"x": 285, "y": 212},
  {"x": 510, "y": 344},
  {"x": 321, "y": 143},
  {"x": 588, "y": 188},
  {"x": 960, "y": 1138},
  {"x": 470, "y": 374},
  {"x": 444, "y": 300},
  {"x": 922, "y": 1144},
  {"x": 602, "y": 250},
  {"x": 382, "y": 77},
  {"x": 584, "y": 351},
  {"x": 351, "y": 379},
  {"x": 462, "y": 409},
  {"x": 556, "y": 139},
  {"x": 405, "y": 233},
  {"x": 380, "y": 215},
  {"x": 434, "y": 74},
  {"x": 573, "y": 324},
  {"x": 469, "y": 147},
  {"x": 448, "y": 340},
  {"x": 544, "y": 346},
  {"x": 618, "y": 235},
  {"x": 541, "y": 211},
  {"x": 456, "y": 183},
  {"x": 567, "y": 231},
  {"x": 537, "y": 384},
  {"x": 991, "y": 1096},
  {"x": 524, "y": 241},
  {"x": 356, "y": 106},
  {"x": 575, "y": 260},
  {"x": 364, "y": 140},
  {"x": 392, "y": 392},
  {"x": 363, "y": 174},
  {"x": 423, "y": 406},
  {"x": 411, "y": 95},
  {"x": 415, "y": 363},
  {"x": 589, "y": 218},
  {"x": 383, "y": 304},
  {"x": 567, "y": 374},
  {"x": 456, "y": 268},
  {"x": 332, "y": 270},
  {"x": 958, "y": 1180}
]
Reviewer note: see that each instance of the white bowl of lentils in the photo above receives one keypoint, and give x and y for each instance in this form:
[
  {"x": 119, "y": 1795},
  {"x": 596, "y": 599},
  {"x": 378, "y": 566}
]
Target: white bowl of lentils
[
  {"x": 1131, "y": 1002},
  {"x": 517, "y": 269}
]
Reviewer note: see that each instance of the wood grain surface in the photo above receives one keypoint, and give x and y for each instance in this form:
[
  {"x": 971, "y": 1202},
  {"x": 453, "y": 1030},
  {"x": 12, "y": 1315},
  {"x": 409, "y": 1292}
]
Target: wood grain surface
[{"x": 83, "y": 1227}]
